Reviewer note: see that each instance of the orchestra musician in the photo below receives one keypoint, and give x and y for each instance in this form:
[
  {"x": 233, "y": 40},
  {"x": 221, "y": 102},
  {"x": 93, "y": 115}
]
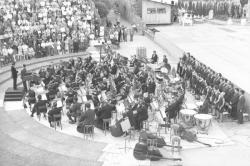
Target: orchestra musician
[
  {"x": 54, "y": 111},
  {"x": 154, "y": 58},
  {"x": 14, "y": 75},
  {"x": 86, "y": 118},
  {"x": 141, "y": 114},
  {"x": 23, "y": 74},
  {"x": 104, "y": 112}
]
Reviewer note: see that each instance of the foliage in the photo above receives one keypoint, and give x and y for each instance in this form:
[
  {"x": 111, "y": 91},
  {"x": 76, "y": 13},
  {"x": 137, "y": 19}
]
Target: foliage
[
  {"x": 243, "y": 2},
  {"x": 102, "y": 9},
  {"x": 108, "y": 3}
]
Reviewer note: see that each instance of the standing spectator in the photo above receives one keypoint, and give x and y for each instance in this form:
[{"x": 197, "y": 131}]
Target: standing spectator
[
  {"x": 70, "y": 45},
  {"x": 131, "y": 33},
  {"x": 241, "y": 106},
  {"x": 125, "y": 34}
]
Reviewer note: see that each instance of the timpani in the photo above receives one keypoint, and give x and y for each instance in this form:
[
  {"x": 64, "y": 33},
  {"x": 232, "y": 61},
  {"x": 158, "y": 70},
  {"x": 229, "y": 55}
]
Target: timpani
[
  {"x": 203, "y": 122},
  {"x": 187, "y": 116}
]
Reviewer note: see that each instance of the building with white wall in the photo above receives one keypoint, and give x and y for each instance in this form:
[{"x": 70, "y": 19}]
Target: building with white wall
[{"x": 154, "y": 12}]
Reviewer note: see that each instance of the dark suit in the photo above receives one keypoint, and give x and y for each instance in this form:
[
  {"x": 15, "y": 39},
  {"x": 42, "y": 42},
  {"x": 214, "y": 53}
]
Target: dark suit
[
  {"x": 14, "y": 76},
  {"x": 39, "y": 107},
  {"x": 54, "y": 111},
  {"x": 234, "y": 102},
  {"x": 142, "y": 114},
  {"x": 75, "y": 111},
  {"x": 240, "y": 108},
  {"x": 104, "y": 113},
  {"x": 87, "y": 118},
  {"x": 23, "y": 73}
]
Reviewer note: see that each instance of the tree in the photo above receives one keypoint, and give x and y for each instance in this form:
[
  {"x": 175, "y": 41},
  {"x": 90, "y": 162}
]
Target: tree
[
  {"x": 102, "y": 9},
  {"x": 106, "y": 2},
  {"x": 243, "y": 2}
]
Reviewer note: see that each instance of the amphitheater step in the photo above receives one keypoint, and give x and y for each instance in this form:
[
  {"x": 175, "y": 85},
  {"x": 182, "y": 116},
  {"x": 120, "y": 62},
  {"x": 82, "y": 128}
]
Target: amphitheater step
[
  {"x": 13, "y": 95},
  {"x": 23, "y": 155},
  {"x": 18, "y": 125}
]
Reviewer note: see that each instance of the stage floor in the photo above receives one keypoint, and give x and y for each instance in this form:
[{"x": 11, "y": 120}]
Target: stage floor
[
  {"x": 115, "y": 152},
  {"x": 226, "y": 49}
]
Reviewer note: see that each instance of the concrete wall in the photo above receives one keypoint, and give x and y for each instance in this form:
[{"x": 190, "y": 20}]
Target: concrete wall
[
  {"x": 248, "y": 13},
  {"x": 157, "y": 18}
]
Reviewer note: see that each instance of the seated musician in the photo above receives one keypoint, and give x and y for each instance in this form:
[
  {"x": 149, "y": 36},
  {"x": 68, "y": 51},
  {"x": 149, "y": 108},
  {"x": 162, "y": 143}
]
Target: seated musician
[
  {"x": 40, "y": 106},
  {"x": 154, "y": 57},
  {"x": 104, "y": 112},
  {"x": 86, "y": 118},
  {"x": 74, "y": 111},
  {"x": 31, "y": 97},
  {"x": 51, "y": 94},
  {"x": 54, "y": 111},
  {"x": 114, "y": 69},
  {"x": 70, "y": 95},
  {"x": 165, "y": 63},
  {"x": 151, "y": 86},
  {"x": 141, "y": 114}
]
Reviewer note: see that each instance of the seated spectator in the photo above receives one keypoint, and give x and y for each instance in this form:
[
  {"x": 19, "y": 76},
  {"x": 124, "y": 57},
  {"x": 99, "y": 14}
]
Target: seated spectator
[{"x": 86, "y": 118}]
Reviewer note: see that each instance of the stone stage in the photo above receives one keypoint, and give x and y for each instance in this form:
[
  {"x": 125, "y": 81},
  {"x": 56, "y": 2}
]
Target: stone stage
[{"x": 116, "y": 153}]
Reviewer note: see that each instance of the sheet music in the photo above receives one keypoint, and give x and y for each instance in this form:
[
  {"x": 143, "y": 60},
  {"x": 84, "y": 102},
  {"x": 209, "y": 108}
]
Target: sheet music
[
  {"x": 59, "y": 103},
  {"x": 92, "y": 106},
  {"x": 125, "y": 125},
  {"x": 44, "y": 97},
  {"x": 120, "y": 108},
  {"x": 162, "y": 111},
  {"x": 99, "y": 97},
  {"x": 84, "y": 98}
]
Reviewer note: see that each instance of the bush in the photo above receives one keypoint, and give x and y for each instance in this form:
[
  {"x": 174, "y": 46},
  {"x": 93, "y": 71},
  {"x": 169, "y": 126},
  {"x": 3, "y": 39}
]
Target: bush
[
  {"x": 108, "y": 3},
  {"x": 102, "y": 9}
]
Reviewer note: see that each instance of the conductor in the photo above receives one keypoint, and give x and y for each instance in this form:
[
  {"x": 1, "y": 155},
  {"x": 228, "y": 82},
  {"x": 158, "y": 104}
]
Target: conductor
[{"x": 14, "y": 75}]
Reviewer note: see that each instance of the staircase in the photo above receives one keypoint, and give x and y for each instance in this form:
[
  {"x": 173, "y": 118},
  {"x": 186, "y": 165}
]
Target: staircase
[{"x": 13, "y": 95}]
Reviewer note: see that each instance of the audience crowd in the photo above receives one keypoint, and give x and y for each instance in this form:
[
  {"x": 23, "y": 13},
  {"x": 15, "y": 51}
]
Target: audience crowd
[{"x": 44, "y": 28}]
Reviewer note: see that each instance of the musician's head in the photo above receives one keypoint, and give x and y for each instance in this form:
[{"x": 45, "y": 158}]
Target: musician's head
[
  {"x": 242, "y": 92},
  {"x": 39, "y": 97},
  {"x": 24, "y": 66},
  {"x": 87, "y": 105},
  {"x": 13, "y": 63}
]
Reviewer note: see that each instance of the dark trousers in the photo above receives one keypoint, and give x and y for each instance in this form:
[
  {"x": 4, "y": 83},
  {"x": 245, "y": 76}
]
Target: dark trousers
[
  {"x": 25, "y": 86},
  {"x": 240, "y": 116},
  {"x": 14, "y": 83},
  {"x": 234, "y": 111}
]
